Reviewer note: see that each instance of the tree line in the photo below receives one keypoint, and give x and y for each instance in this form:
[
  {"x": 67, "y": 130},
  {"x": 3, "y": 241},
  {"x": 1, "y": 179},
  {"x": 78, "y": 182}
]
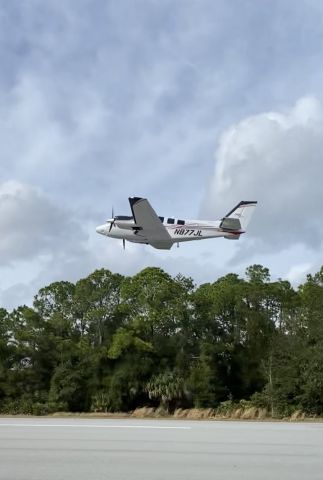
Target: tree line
[{"x": 114, "y": 343}]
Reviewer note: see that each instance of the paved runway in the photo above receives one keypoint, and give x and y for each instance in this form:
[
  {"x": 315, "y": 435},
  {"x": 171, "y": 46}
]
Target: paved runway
[{"x": 128, "y": 449}]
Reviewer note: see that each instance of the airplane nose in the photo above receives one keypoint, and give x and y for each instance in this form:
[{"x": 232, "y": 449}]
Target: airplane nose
[{"x": 100, "y": 229}]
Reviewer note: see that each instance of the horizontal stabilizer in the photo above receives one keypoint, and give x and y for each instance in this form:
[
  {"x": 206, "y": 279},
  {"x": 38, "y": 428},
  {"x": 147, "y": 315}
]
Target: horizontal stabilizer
[
  {"x": 234, "y": 237},
  {"x": 230, "y": 224}
]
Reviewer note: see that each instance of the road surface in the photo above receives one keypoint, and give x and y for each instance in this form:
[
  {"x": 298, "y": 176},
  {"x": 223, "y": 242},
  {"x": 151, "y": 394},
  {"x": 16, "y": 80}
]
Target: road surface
[{"x": 131, "y": 449}]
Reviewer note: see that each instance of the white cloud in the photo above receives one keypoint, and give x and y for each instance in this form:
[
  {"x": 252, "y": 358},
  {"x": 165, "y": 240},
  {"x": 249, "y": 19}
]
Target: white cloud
[
  {"x": 102, "y": 101},
  {"x": 32, "y": 226},
  {"x": 45, "y": 137},
  {"x": 297, "y": 273},
  {"x": 277, "y": 159}
]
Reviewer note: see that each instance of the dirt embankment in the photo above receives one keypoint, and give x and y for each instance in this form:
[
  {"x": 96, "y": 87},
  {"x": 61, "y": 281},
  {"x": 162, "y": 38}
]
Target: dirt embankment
[
  {"x": 239, "y": 413},
  {"x": 250, "y": 413},
  {"x": 203, "y": 414}
]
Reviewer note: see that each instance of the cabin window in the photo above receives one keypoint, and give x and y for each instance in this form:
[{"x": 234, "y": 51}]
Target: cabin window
[
  {"x": 161, "y": 219},
  {"x": 170, "y": 220},
  {"x": 180, "y": 222}
]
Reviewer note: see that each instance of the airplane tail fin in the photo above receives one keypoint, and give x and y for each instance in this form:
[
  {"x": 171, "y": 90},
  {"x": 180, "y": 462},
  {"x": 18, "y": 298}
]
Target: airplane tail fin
[{"x": 240, "y": 216}]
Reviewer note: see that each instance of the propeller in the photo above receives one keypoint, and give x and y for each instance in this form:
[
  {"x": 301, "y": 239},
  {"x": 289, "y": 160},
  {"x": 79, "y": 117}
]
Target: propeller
[
  {"x": 124, "y": 243},
  {"x": 112, "y": 222}
]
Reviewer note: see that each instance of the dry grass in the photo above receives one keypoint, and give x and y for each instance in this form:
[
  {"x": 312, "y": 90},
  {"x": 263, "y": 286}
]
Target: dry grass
[
  {"x": 237, "y": 413},
  {"x": 200, "y": 413},
  {"x": 250, "y": 413},
  {"x": 144, "y": 412},
  {"x": 180, "y": 413},
  {"x": 296, "y": 416}
]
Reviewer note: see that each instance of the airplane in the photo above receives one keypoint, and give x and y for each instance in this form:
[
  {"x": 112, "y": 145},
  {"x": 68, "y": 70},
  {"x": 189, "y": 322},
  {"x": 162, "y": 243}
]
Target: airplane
[{"x": 145, "y": 226}]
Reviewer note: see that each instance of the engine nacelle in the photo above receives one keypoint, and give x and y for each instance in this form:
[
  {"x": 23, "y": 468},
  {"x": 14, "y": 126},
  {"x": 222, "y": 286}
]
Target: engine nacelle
[{"x": 127, "y": 224}]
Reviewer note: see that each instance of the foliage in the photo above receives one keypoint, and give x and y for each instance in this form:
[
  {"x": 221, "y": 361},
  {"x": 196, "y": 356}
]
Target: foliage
[
  {"x": 165, "y": 387},
  {"x": 113, "y": 343}
]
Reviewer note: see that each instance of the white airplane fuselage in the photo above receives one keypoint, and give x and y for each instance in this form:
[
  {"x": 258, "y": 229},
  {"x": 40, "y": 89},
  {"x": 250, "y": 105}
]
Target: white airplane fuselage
[
  {"x": 184, "y": 231},
  {"x": 145, "y": 226}
]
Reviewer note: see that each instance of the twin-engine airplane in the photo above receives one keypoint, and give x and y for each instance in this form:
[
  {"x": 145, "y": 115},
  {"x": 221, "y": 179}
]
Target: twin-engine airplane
[{"x": 145, "y": 226}]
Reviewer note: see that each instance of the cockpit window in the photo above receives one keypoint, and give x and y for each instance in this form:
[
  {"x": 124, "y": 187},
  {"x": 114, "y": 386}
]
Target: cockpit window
[
  {"x": 170, "y": 220},
  {"x": 180, "y": 222},
  {"x": 161, "y": 219}
]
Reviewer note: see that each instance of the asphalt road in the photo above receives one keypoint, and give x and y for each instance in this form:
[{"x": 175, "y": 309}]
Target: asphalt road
[{"x": 127, "y": 449}]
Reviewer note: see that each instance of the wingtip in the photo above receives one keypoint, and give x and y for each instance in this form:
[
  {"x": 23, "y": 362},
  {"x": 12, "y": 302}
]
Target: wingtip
[{"x": 133, "y": 200}]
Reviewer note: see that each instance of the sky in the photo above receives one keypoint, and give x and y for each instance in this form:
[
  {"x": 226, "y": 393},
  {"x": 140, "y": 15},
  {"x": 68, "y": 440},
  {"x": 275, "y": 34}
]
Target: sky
[{"x": 194, "y": 104}]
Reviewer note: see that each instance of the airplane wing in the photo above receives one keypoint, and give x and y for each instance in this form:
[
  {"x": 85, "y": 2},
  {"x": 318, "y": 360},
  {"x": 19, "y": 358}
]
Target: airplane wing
[{"x": 150, "y": 225}]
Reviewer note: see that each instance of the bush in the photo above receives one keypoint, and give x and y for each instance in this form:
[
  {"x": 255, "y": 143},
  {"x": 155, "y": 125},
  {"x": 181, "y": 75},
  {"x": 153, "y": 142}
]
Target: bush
[
  {"x": 226, "y": 408},
  {"x": 100, "y": 402},
  {"x": 30, "y": 407}
]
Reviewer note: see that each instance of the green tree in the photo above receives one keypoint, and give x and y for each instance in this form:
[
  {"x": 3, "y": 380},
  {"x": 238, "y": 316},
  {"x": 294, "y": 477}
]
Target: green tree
[
  {"x": 96, "y": 303},
  {"x": 167, "y": 388}
]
